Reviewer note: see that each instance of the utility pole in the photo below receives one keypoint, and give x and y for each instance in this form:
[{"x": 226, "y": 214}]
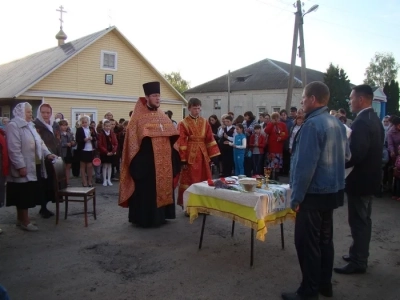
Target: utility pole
[
  {"x": 294, "y": 52},
  {"x": 302, "y": 53},
  {"x": 229, "y": 90}
]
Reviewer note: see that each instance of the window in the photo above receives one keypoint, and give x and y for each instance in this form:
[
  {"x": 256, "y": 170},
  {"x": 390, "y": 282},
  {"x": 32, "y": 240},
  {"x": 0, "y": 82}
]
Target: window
[
  {"x": 276, "y": 109},
  {"x": 217, "y": 103},
  {"x": 77, "y": 113},
  {"x": 108, "y": 60},
  {"x": 261, "y": 110},
  {"x": 242, "y": 78}
]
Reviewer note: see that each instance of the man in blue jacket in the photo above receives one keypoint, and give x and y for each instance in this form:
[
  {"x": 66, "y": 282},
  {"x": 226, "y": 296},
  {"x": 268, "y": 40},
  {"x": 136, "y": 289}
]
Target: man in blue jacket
[{"x": 319, "y": 153}]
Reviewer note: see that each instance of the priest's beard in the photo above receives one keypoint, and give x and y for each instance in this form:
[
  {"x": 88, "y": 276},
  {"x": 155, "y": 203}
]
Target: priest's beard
[{"x": 152, "y": 105}]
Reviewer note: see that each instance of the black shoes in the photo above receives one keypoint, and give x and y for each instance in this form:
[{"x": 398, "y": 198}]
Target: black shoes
[
  {"x": 295, "y": 296},
  {"x": 326, "y": 290},
  {"x": 45, "y": 213},
  {"x": 350, "y": 268}
]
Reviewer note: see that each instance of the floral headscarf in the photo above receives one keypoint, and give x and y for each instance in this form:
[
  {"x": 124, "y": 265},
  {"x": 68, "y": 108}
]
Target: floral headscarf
[{"x": 19, "y": 113}]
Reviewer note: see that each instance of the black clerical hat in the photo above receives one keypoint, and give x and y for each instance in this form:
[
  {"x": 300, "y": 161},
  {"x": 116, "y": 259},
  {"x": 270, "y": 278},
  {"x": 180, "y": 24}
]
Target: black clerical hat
[{"x": 151, "y": 88}]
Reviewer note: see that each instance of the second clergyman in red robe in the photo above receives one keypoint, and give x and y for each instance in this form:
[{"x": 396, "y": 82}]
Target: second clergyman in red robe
[{"x": 196, "y": 146}]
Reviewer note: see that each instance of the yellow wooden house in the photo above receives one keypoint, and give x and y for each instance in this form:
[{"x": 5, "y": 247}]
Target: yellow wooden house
[{"x": 92, "y": 75}]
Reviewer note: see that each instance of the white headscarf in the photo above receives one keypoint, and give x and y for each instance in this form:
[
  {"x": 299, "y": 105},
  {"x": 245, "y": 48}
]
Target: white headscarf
[
  {"x": 39, "y": 116},
  {"x": 19, "y": 113}
]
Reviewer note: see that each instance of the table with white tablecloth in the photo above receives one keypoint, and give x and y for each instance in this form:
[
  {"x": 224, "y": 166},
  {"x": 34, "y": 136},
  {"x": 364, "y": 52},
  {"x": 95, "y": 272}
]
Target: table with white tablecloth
[{"x": 256, "y": 210}]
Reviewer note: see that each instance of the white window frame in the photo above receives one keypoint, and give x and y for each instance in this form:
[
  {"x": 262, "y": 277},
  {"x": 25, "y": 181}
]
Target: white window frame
[
  {"x": 275, "y": 109},
  {"x": 259, "y": 109},
  {"x": 82, "y": 110},
  {"x": 103, "y": 52},
  {"x": 217, "y": 101}
]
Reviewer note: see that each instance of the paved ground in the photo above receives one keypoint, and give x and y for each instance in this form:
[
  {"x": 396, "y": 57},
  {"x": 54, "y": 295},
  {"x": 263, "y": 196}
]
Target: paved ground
[{"x": 111, "y": 259}]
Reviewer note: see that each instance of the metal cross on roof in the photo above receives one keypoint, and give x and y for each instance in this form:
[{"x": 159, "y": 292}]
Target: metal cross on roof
[{"x": 61, "y": 15}]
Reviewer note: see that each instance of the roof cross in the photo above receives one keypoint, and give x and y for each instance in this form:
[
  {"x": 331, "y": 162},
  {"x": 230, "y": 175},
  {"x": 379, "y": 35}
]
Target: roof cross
[{"x": 61, "y": 15}]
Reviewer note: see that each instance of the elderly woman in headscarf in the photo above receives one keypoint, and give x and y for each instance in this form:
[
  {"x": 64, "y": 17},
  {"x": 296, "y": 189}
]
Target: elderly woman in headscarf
[
  {"x": 27, "y": 153},
  {"x": 50, "y": 133}
]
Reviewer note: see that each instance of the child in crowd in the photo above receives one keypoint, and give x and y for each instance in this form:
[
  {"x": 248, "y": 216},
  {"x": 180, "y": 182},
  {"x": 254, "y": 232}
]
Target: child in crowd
[
  {"x": 67, "y": 143},
  {"x": 107, "y": 145},
  {"x": 116, "y": 128},
  {"x": 121, "y": 138},
  {"x": 225, "y": 134},
  {"x": 293, "y": 131},
  {"x": 257, "y": 144},
  {"x": 239, "y": 148}
]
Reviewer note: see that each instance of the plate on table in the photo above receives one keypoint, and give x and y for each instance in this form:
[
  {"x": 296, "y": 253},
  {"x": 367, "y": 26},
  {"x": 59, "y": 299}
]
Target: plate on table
[{"x": 230, "y": 180}]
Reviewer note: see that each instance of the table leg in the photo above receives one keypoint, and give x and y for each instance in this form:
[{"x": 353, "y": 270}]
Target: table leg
[
  {"x": 202, "y": 230},
  {"x": 282, "y": 237},
  {"x": 233, "y": 228},
  {"x": 252, "y": 248}
]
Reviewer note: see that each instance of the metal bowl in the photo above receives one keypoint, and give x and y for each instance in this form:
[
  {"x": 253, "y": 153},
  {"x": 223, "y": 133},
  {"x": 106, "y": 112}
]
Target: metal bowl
[{"x": 248, "y": 184}]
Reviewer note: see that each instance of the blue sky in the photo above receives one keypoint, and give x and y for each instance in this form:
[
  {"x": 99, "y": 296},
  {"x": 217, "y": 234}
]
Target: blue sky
[{"x": 204, "y": 39}]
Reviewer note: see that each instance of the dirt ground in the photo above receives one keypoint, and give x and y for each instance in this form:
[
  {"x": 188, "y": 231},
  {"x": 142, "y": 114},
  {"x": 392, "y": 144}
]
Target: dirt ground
[{"x": 111, "y": 259}]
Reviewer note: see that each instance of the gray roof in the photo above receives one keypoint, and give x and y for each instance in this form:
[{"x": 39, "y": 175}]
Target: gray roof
[
  {"x": 267, "y": 74},
  {"x": 18, "y": 76}
]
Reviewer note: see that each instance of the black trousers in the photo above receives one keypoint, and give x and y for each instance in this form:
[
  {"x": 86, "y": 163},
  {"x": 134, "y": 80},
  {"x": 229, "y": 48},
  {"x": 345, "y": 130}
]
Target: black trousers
[
  {"x": 314, "y": 245},
  {"x": 227, "y": 162},
  {"x": 359, "y": 210},
  {"x": 286, "y": 162}
]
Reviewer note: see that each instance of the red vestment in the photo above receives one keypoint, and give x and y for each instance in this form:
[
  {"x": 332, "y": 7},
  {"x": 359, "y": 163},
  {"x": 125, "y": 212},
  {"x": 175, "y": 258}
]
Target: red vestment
[
  {"x": 157, "y": 126},
  {"x": 196, "y": 146}
]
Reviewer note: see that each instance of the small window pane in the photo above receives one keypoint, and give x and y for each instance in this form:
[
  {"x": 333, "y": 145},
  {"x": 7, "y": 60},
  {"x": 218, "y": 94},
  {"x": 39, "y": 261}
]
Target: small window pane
[
  {"x": 276, "y": 109},
  {"x": 217, "y": 103},
  {"x": 109, "y": 60}
]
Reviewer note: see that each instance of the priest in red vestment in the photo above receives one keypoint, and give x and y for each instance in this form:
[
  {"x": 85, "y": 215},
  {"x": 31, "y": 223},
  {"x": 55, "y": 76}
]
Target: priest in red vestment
[
  {"x": 149, "y": 162},
  {"x": 196, "y": 146}
]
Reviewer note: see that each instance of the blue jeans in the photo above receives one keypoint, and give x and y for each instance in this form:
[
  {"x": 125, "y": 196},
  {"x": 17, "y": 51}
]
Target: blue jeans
[
  {"x": 257, "y": 164},
  {"x": 238, "y": 158}
]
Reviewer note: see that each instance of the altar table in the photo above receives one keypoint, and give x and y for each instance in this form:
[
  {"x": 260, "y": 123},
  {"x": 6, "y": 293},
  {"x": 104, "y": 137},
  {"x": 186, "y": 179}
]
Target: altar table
[{"x": 256, "y": 210}]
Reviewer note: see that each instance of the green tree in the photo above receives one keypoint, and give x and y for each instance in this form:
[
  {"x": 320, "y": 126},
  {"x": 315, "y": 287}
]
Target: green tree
[
  {"x": 339, "y": 86},
  {"x": 392, "y": 92},
  {"x": 382, "y": 68},
  {"x": 176, "y": 80}
]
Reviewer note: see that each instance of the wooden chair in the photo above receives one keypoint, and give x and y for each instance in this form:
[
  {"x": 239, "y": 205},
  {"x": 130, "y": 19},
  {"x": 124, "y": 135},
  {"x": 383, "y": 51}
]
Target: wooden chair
[{"x": 70, "y": 194}]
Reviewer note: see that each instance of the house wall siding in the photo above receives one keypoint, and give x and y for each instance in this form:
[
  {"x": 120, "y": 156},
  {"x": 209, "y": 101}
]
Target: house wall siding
[
  {"x": 120, "y": 109},
  {"x": 83, "y": 74},
  {"x": 242, "y": 101}
]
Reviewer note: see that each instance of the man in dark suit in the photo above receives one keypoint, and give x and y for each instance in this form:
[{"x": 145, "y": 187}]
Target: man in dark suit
[{"x": 366, "y": 145}]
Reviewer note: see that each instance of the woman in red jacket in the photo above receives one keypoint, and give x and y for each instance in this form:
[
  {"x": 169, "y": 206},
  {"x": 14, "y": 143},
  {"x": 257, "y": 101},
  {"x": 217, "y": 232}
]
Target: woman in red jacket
[
  {"x": 277, "y": 133},
  {"x": 107, "y": 145}
]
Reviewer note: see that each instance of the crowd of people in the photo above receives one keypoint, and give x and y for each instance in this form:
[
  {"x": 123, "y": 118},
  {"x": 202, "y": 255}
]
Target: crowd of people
[
  {"x": 326, "y": 159},
  {"x": 29, "y": 146},
  {"x": 154, "y": 155}
]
